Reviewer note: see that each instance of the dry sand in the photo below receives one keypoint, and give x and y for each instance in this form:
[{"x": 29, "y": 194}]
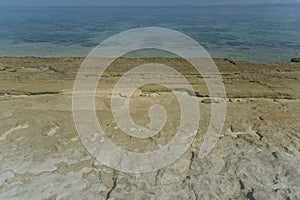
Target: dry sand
[{"x": 42, "y": 157}]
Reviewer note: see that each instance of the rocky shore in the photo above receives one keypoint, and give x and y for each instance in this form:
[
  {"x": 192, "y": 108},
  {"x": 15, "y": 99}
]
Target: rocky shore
[{"x": 256, "y": 157}]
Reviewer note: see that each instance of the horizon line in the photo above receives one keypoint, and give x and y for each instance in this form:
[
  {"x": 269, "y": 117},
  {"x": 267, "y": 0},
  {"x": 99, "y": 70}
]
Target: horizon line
[{"x": 179, "y": 5}]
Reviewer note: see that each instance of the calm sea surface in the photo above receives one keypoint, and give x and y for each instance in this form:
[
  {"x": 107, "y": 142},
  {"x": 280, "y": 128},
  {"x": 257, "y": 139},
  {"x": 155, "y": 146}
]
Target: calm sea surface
[{"x": 253, "y": 33}]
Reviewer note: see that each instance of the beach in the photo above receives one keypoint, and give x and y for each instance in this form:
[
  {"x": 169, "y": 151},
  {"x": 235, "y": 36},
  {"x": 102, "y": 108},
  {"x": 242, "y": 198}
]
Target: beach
[{"x": 257, "y": 156}]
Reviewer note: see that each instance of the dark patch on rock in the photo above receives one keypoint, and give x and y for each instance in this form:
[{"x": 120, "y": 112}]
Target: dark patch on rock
[
  {"x": 230, "y": 61},
  {"x": 250, "y": 195},
  {"x": 242, "y": 186},
  {"x": 209, "y": 101},
  {"x": 275, "y": 155}
]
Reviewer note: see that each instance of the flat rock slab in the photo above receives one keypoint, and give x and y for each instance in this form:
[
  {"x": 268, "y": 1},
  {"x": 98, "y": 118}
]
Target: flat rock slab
[{"x": 256, "y": 157}]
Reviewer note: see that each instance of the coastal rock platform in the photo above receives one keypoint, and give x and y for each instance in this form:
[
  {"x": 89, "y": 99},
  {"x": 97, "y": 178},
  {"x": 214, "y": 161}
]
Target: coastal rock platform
[{"x": 256, "y": 157}]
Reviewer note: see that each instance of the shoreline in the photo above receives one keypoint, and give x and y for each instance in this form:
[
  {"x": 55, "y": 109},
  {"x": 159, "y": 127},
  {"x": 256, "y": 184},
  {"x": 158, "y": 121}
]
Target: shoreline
[
  {"x": 242, "y": 79},
  {"x": 83, "y": 57}
]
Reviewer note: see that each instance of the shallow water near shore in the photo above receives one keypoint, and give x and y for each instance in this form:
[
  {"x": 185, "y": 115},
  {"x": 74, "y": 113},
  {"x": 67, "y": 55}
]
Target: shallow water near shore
[{"x": 252, "y": 33}]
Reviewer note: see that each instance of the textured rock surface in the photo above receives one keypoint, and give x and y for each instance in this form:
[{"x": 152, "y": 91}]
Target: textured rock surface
[{"x": 42, "y": 157}]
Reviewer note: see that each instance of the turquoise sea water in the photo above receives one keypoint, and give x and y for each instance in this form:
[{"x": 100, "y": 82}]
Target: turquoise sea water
[{"x": 253, "y": 33}]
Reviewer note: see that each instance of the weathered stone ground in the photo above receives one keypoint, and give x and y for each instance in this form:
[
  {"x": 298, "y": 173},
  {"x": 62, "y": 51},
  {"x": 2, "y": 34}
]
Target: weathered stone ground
[{"x": 42, "y": 157}]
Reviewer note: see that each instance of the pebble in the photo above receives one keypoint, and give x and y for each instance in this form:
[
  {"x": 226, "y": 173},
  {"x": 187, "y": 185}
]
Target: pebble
[
  {"x": 12, "y": 70},
  {"x": 75, "y": 139},
  {"x": 154, "y": 95}
]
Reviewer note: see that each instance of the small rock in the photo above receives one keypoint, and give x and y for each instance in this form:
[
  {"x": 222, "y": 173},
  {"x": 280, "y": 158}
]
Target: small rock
[
  {"x": 44, "y": 68},
  {"x": 154, "y": 95},
  {"x": 230, "y": 61},
  {"x": 296, "y": 60},
  {"x": 261, "y": 118},
  {"x": 209, "y": 101},
  {"x": 12, "y": 70},
  {"x": 75, "y": 139},
  {"x": 151, "y": 95},
  {"x": 57, "y": 147},
  {"x": 53, "y": 131},
  {"x": 132, "y": 129},
  {"x": 137, "y": 93}
]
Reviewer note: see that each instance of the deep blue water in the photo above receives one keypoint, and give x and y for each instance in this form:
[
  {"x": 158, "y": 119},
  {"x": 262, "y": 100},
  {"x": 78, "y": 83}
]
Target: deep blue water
[{"x": 254, "y": 33}]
